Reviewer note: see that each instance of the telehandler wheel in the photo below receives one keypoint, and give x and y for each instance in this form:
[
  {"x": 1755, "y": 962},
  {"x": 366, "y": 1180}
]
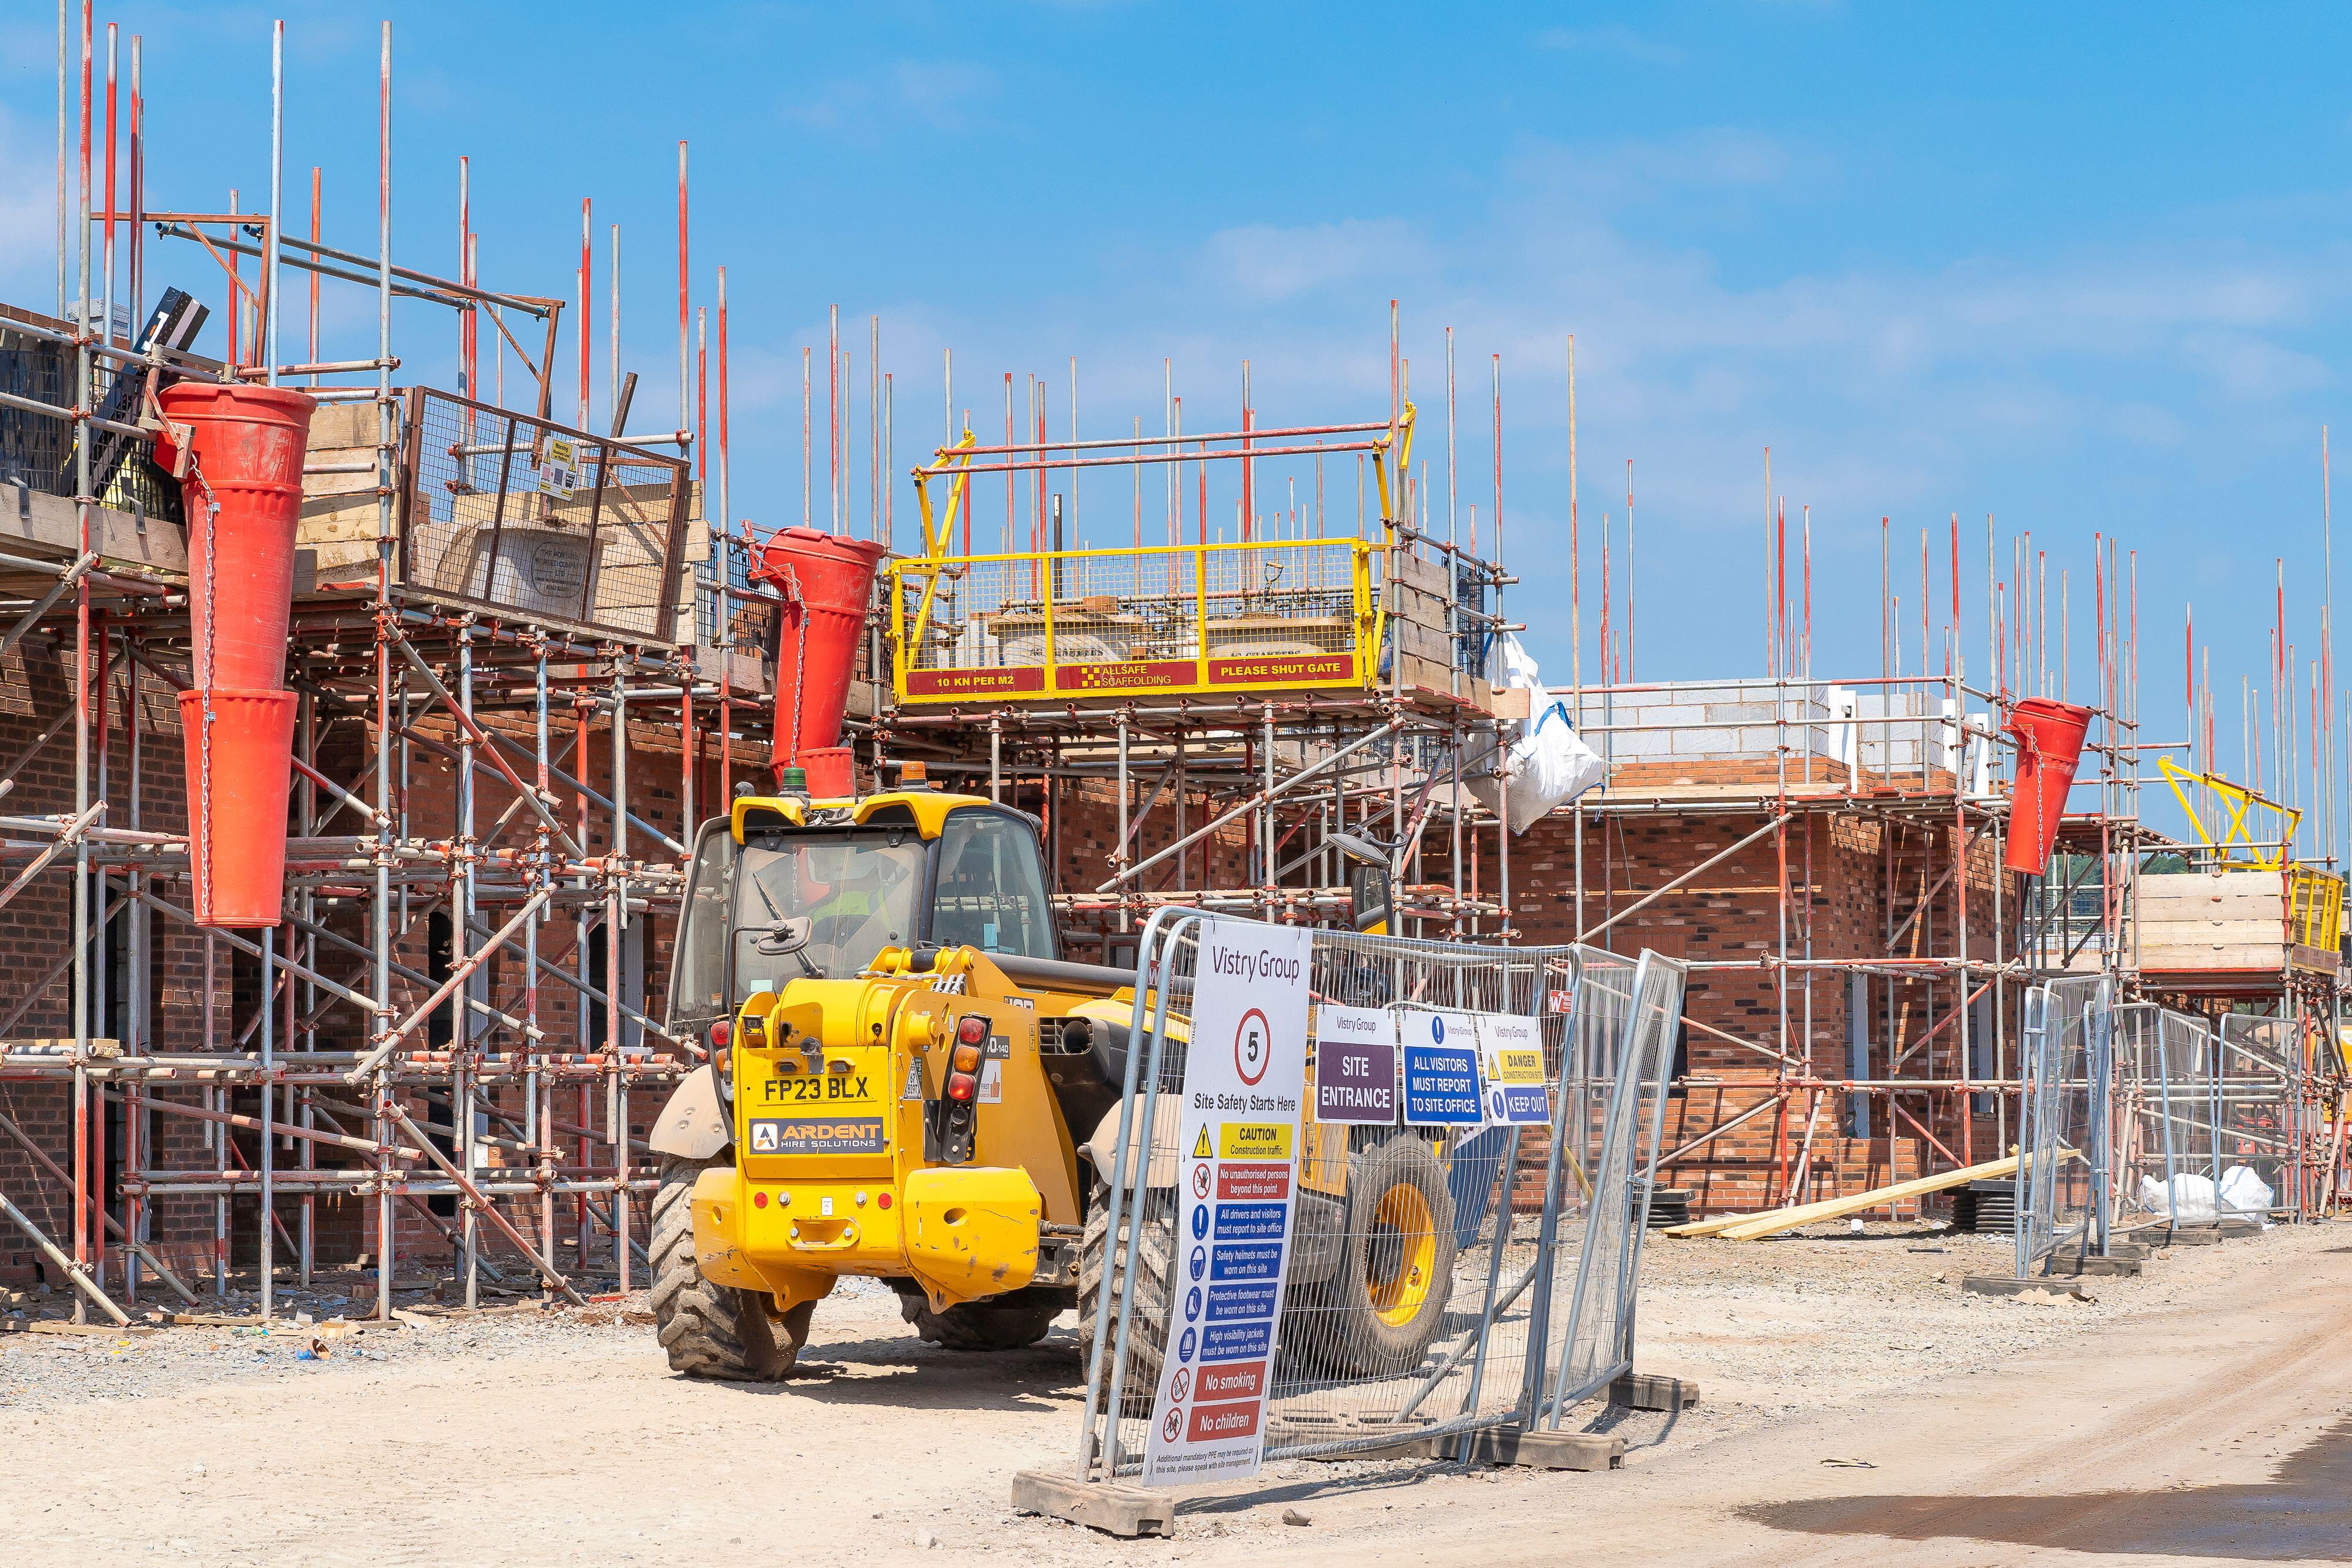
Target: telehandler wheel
[
  {"x": 712, "y": 1330},
  {"x": 1148, "y": 1316},
  {"x": 1380, "y": 1311},
  {"x": 1006, "y": 1324}
]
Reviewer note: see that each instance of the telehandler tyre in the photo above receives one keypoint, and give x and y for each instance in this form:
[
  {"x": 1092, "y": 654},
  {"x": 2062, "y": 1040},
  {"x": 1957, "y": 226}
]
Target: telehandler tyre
[
  {"x": 1380, "y": 1309},
  {"x": 1099, "y": 1259},
  {"x": 1007, "y": 1323},
  {"x": 712, "y": 1330}
]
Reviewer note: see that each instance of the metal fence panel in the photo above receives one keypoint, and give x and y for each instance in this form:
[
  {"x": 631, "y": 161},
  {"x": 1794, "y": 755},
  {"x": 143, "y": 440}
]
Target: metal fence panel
[
  {"x": 1624, "y": 1104},
  {"x": 2140, "y": 1139},
  {"x": 2063, "y": 1183},
  {"x": 1439, "y": 1279},
  {"x": 2257, "y": 1106},
  {"x": 2186, "y": 1058},
  {"x": 541, "y": 522},
  {"x": 2127, "y": 1104},
  {"x": 37, "y": 449},
  {"x": 1198, "y": 617}
]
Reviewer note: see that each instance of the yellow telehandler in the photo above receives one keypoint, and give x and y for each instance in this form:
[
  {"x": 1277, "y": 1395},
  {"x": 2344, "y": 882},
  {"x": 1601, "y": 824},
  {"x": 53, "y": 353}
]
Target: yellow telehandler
[{"x": 908, "y": 1082}]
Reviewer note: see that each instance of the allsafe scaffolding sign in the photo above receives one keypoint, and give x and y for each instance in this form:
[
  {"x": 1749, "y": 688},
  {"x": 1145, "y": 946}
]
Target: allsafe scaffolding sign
[{"x": 1245, "y": 1077}]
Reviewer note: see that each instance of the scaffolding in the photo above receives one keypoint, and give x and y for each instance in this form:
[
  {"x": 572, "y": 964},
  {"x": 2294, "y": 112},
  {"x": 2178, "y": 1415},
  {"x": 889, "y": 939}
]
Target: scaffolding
[
  {"x": 447, "y": 1048},
  {"x": 443, "y": 1051},
  {"x": 1264, "y": 719},
  {"x": 1909, "y": 1032},
  {"x": 444, "y": 1057}
]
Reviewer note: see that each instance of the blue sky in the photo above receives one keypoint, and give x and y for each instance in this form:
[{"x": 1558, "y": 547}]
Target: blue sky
[{"x": 2078, "y": 268}]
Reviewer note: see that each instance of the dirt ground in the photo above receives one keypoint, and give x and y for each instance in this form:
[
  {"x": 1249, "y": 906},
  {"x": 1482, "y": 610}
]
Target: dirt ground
[{"x": 1857, "y": 1406}]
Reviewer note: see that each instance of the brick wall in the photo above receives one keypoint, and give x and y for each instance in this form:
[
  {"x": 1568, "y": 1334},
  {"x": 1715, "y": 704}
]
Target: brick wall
[
  {"x": 35, "y": 690},
  {"x": 1846, "y": 872},
  {"x": 35, "y": 985}
]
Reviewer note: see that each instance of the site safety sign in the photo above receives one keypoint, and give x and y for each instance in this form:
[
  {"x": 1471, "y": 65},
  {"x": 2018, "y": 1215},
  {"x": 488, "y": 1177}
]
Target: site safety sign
[
  {"x": 1245, "y": 1084},
  {"x": 1355, "y": 1065},
  {"x": 1511, "y": 1052},
  {"x": 1441, "y": 1070}
]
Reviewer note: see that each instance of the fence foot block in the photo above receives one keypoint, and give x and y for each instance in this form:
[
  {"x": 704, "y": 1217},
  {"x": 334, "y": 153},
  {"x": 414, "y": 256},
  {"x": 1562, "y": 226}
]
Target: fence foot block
[
  {"x": 1542, "y": 1451},
  {"x": 1532, "y": 1450},
  {"x": 2188, "y": 1236},
  {"x": 2003, "y": 1285},
  {"x": 1108, "y": 1506},
  {"x": 2233, "y": 1229},
  {"x": 1649, "y": 1391},
  {"x": 2096, "y": 1266},
  {"x": 1502, "y": 1445},
  {"x": 2128, "y": 1250}
]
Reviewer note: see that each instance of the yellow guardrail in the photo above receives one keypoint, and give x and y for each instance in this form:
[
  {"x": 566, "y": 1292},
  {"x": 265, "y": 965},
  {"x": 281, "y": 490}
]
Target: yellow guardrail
[
  {"x": 2315, "y": 908},
  {"x": 2208, "y": 797},
  {"x": 1200, "y": 618}
]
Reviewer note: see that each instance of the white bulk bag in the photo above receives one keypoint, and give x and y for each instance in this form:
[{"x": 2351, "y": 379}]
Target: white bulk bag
[{"x": 1546, "y": 764}]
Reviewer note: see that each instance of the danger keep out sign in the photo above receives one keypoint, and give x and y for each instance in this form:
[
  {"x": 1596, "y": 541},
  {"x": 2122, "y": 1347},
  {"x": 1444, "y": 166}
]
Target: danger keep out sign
[
  {"x": 1245, "y": 1077},
  {"x": 1514, "y": 1068}
]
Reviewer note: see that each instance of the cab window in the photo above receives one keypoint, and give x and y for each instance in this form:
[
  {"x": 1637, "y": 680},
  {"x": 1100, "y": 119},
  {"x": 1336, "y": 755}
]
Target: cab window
[
  {"x": 991, "y": 889},
  {"x": 697, "y": 976},
  {"x": 858, "y": 891}
]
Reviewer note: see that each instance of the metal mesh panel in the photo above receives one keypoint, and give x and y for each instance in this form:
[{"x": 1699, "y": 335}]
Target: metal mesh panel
[
  {"x": 2126, "y": 1104},
  {"x": 38, "y": 450},
  {"x": 2143, "y": 1141},
  {"x": 1275, "y": 600},
  {"x": 1504, "y": 1292},
  {"x": 2190, "y": 1055},
  {"x": 541, "y": 522},
  {"x": 1214, "y": 616},
  {"x": 1629, "y": 1011},
  {"x": 990, "y": 613},
  {"x": 2062, "y": 1184},
  {"x": 2256, "y": 1108},
  {"x": 2177, "y": 1114}
]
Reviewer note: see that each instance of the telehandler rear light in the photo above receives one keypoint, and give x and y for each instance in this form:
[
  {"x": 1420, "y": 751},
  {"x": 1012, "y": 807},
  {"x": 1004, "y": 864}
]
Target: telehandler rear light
[
  {"x": 722, "y": 1034},
  {"x": 972, "y": 1030},
  {"x": 967, "y": 1059},
  {"x": 961, "y": 1085}
]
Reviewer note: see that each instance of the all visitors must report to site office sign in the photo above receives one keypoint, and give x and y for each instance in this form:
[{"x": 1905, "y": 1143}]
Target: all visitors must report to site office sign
[{"x": 1237, "y": 1142}]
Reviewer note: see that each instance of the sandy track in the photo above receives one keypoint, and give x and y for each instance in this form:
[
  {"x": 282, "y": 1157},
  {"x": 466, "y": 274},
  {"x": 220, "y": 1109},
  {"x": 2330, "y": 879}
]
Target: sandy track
[{"x": 564, "y": 1443}]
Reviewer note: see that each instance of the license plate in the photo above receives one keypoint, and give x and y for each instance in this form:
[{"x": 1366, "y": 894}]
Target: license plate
[
  {"x": 861, "y": 1085},
  {"x": 813, "y": 1089}
]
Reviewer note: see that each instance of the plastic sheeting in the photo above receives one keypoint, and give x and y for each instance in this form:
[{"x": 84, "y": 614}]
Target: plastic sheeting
[{"x": 2244, "y": 1195}]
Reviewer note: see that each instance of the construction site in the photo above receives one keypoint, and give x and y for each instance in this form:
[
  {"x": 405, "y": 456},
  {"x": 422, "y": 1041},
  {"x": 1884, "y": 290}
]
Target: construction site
[{"x": 361, "y": 733}]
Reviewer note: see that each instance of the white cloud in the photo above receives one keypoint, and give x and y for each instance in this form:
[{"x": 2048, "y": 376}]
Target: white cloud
[
  {"x": 2254, "y": 369},
  {"x": 1265, "y": 264},
  {"x": 1881, "y": 387},
  {"x": 1611, "y": 39},
  {"x": 1622, "y": 172},
  {"x": 946, "y": 95}
]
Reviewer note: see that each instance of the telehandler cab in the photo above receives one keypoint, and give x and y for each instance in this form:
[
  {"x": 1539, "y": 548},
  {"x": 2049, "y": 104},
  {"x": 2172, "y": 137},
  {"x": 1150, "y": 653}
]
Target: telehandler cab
[{"x": 908, "y": 1082}]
